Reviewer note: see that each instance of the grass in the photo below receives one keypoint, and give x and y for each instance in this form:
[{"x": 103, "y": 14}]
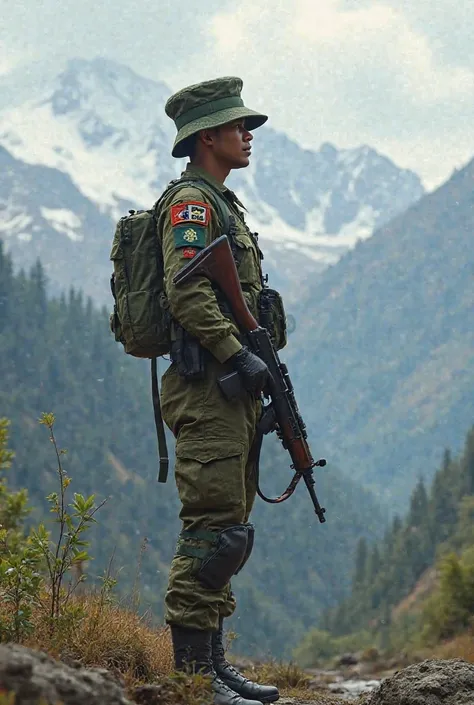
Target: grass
[
  {"x": 106, "y": 635},
  {"x": 461, "y": 646},
  {"x": 284, "y": 675},
  {"x": 109, "y": 635}
]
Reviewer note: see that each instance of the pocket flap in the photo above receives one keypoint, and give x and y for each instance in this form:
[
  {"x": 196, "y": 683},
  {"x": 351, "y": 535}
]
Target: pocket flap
[{"x": 209, "y": 450}]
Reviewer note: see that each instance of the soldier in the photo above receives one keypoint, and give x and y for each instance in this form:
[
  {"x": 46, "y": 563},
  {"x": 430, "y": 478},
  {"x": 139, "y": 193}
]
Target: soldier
[{"x": 214, "y": 436}]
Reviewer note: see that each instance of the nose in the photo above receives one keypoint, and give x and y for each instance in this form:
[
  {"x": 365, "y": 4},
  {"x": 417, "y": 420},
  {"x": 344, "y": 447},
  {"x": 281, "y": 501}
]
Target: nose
[{"x": 248, "y": 137}]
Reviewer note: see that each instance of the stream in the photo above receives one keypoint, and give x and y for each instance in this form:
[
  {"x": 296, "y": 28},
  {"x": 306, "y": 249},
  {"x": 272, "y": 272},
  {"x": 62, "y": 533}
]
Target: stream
[
  {"x": 351, "y": 689},
  {"x": 347, "y": 684}
]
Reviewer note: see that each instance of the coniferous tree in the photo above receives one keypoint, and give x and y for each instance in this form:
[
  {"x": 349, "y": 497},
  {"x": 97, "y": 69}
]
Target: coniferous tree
[
  {"x": 62, "y": 358},
  {"x": 418, "y": 505},
  {"x": 5, "y": 287},
  {"x": 359, "y": 575},
  {"x": 467, "y": 465},
  {"x": 38, "y": 294},
  {"x": 443, "y": 520},
  {"x": 445, "y": 496}
]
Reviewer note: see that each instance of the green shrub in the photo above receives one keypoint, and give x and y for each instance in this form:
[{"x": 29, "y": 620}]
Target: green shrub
[{"x": 33, "y": 567}]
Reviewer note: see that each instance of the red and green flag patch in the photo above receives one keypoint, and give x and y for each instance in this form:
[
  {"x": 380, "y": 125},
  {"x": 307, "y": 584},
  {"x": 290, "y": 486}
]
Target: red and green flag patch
[{"x": 190, "y": 212}]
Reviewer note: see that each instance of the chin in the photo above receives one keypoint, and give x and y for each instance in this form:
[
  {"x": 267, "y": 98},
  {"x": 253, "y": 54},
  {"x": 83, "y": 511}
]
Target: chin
[{"x": 243, "y": 162}]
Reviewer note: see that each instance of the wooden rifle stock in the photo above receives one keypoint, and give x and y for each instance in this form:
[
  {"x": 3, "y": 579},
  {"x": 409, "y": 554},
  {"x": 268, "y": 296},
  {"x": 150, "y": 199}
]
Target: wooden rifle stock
[{"x": 216, "y": 263}]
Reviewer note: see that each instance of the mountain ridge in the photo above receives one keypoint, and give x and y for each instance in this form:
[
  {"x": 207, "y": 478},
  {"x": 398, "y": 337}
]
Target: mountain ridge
[
  {"x": 394, "y": 365},
  {"x": 103, "y": 125}
]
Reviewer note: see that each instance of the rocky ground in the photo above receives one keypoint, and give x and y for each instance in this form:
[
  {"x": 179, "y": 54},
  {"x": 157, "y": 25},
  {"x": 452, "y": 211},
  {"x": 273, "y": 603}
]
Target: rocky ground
[
  {"x": 431, "y": 682},
  {"x": 32, "y": 675}
]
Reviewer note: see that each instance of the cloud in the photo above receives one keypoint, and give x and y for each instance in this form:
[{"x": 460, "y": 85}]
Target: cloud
[
  {"x": 374, "y": 39},
  {"x": 351, "y": 72},
  {"x": 228, "y": 32},
  {"x": 379, "y": 33}
]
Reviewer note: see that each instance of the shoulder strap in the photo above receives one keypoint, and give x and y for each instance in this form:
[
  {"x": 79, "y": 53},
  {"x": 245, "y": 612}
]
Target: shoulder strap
[{"x": 218, "y": 202}]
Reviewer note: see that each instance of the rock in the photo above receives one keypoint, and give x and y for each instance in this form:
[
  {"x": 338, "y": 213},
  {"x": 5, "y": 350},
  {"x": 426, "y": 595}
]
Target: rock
[
  {"x": 347, "y": 660},
  {"x": 32, "y": 675},
  {"x": 431, "y": 682},
  {"x": 148, "y": 694}
]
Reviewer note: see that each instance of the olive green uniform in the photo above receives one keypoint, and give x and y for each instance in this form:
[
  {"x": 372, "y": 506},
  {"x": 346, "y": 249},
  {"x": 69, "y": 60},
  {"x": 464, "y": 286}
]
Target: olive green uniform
[{"x": 214, "y": 474}]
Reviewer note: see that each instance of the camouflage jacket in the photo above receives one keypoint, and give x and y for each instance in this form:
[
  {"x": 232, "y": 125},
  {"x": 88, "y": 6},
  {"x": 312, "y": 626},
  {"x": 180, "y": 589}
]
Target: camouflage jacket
[{"x": 187, "y": 223}]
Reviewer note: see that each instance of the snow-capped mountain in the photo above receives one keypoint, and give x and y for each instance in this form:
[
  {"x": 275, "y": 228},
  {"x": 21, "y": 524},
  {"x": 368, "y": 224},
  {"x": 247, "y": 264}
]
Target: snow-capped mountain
[
  {"x": 104, "y": 127},
  {"x": 44, "y": 215}
]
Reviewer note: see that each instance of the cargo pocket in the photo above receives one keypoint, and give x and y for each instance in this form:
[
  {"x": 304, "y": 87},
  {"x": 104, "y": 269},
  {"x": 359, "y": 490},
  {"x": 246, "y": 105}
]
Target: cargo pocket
[
  {"x": 141, "y": 306},
  {"x": 139, "y": 314},
  {"x": 247, "y": 259},
  {"x": 210, "y": 475}
]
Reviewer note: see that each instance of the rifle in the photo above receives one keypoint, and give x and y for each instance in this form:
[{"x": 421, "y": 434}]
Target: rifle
[{"x": 281, "y": 414}]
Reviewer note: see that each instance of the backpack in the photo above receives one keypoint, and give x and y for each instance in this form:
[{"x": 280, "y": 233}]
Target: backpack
[{"x": 140, "y": 320}]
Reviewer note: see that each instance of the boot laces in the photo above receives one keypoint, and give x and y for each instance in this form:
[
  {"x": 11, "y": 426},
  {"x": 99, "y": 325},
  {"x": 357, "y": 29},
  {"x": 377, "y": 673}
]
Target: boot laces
[
  {"x": 223, "y": 686},
  {"x": 228, "y": 667}
]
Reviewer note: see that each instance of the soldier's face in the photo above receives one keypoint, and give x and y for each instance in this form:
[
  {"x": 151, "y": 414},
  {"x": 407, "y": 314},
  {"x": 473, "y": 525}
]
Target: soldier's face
[{"x": 231, "y": 144}]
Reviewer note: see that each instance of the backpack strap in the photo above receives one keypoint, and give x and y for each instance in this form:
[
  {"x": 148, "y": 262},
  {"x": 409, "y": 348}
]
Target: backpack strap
[{"x": 217, "y": 201}]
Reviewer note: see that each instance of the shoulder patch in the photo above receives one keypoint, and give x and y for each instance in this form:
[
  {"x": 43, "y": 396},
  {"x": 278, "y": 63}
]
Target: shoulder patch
[
  {"x": 190, "y": 212},
  {"x": 189, "y": 236}
]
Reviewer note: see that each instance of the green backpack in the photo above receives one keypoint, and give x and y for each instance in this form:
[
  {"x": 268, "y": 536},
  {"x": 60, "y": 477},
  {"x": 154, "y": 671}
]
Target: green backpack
[{"x": 140, "y": 319}]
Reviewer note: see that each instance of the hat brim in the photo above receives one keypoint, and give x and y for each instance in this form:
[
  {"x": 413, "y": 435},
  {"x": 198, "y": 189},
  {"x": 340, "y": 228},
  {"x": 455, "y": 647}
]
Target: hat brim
[{"x": 252, "y": 121}]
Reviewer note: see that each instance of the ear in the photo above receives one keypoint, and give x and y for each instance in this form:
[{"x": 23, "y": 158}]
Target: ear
[{"x": 206, "y": 137}]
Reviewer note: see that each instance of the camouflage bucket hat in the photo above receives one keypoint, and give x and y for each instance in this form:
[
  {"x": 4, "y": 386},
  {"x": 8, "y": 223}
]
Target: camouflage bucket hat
[{"x": 206, "y": 105}]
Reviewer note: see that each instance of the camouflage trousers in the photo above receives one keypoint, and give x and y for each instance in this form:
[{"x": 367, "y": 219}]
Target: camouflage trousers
[{"x": 215, "y": 480}]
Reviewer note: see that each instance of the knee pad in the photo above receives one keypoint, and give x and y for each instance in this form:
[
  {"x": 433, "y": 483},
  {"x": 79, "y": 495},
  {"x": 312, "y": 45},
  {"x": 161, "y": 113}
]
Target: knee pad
[
  {"x": 229, "y": 551},
  {"x": 248, "y": 550}
]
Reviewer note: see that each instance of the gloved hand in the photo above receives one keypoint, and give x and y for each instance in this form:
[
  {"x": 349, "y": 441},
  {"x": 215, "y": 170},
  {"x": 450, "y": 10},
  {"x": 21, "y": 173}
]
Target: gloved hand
[{"x": 252, "y": 370}]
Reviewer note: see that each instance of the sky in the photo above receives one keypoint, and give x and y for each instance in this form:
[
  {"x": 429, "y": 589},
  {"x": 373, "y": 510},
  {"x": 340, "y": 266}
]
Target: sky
[{"x": 397, "y": 75}]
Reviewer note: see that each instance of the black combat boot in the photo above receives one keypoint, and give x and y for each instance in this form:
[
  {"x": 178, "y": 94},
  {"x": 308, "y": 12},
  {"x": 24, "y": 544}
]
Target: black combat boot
[
  {"x": 234, "y": 679},
  {"x": 192, "y": 653}
]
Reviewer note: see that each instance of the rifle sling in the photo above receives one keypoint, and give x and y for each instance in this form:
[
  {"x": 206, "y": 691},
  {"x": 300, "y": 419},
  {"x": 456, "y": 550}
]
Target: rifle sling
[
  {"x": 255, "y": 457},
  {"x": 160, "y": 430}
]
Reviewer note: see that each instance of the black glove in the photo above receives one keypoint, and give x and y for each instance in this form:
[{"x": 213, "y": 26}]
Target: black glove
[{"x": 252, "y": 370}]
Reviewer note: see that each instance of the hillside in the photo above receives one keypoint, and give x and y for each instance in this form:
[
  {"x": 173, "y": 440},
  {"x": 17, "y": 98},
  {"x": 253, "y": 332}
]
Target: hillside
[
  {"x": 414, "y": 588},
  {"x": 59, "y": 356},
  {"x": 384, "y": 344}
]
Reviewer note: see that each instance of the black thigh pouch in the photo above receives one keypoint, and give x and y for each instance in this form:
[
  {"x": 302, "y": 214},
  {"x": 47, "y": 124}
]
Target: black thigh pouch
[{"x": 271, "y": 315}]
